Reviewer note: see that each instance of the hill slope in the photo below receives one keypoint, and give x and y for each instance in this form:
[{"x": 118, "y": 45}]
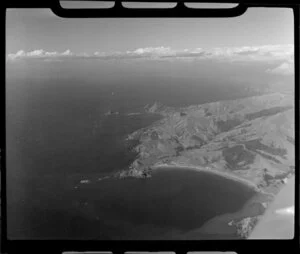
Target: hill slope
[{"x": 250, "y": 139}]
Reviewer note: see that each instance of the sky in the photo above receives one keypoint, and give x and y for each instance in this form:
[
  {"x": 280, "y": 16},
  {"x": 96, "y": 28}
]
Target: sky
[
  {"x": 261, "y": 34},
  {"x": 30, "y": 29}
]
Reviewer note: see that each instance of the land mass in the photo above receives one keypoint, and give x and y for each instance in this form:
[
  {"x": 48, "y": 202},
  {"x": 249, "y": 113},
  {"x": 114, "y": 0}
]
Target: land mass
[{"x": 249, "y": 140}]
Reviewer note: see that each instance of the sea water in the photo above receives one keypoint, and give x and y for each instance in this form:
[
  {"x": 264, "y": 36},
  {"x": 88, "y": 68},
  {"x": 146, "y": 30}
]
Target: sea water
[{"x": 58, "y": 134}]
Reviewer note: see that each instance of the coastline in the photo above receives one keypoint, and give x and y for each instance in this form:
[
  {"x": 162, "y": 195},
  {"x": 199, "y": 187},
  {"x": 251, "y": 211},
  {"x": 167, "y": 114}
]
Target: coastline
[
  {"x": 238, "y": 224},
  {"x": 226, "y": 225},
  {"x": 262, "y": 177}
]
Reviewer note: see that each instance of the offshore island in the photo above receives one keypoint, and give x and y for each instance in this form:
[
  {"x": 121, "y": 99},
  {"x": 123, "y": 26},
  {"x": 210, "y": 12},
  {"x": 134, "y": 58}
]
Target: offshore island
[{"x": 249, "y": 140}]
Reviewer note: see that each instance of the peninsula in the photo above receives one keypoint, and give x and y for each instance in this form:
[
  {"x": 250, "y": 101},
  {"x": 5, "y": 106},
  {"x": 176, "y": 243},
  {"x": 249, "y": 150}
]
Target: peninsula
[{"x": 250, "y": 140}]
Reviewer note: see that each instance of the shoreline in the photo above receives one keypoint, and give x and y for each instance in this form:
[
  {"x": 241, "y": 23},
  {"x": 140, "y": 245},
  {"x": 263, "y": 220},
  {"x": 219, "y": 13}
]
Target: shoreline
[
  {"x": 221, "y": 224},
  {"x": 212, "y": 171},
  {"x": 228, "y": 224}
]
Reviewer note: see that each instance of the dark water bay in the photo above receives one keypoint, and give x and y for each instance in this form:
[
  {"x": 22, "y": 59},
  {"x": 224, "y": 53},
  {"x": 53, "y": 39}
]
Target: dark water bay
[{"x": 171, "y": 200}]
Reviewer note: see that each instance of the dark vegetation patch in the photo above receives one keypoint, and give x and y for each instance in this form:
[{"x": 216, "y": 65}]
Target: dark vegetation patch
[
  {"x": 237, "y": 154},
  {"x": 291, "y": 140},
  {"x": 269, "y": 178},
  {"x": 255, "y": 145},
  {"x": 207, "y": 113},
  {"x": 199, "y": 141},
  {"x": 282, "y": 175},
  {"x": 178, "y": 150},
  {"x": 269, "y": 157},
  {"x": 246, "y": 125},
  {"x": 193, "y": 147},
  {"x": 178, "y": 147},
  {"x": 154, "y": 135},
  {"x": 267, "y": 112},
  {"x": 174, "y": 140},
  {"x": 228, "y": 125}
]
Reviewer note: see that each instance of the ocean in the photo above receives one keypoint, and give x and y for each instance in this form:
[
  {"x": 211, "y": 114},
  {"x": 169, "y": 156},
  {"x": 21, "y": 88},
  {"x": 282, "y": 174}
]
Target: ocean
[{"x": 58, "y": 134}]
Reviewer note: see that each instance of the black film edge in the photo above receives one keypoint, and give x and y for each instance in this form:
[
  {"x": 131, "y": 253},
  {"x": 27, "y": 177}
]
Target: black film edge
[{"x": 118, "y": 11}]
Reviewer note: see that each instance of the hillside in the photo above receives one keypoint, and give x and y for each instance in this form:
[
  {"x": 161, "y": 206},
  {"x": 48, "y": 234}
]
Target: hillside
[{"x": 251, "y": 139}]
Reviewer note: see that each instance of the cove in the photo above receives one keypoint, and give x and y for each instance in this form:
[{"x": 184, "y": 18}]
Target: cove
[{"x": 178, "y": 199}]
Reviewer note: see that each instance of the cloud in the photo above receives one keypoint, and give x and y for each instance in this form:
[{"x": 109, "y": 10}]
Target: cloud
[
  {"x": 39, "y": 53},
  {"x": 49, "y": 54},
  {"x": 285, "y": 68},
  {"x": 255, "y": 53},
  {"x": 19, "y": 54},
  {"x": 265, "y": 53},
  {"x": 67, "y": 53},
  {"x": 152, "y": 51},
  {"x": 145, "y": 53},
  {"x": 36, "y": 53}
]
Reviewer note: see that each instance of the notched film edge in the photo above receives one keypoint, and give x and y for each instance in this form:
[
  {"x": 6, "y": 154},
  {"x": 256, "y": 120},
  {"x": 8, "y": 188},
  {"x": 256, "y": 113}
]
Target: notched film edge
[{"x": 150, "y": 129}]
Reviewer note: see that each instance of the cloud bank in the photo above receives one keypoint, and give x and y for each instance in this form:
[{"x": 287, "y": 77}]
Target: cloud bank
[
  {"x": 283, "y": 55},
  {"x": 285, "y": 68}
]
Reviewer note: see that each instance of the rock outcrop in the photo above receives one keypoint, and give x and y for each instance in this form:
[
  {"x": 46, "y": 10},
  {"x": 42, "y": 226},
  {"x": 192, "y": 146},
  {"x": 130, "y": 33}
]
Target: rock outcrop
[{"x": 245, "y": 226}]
